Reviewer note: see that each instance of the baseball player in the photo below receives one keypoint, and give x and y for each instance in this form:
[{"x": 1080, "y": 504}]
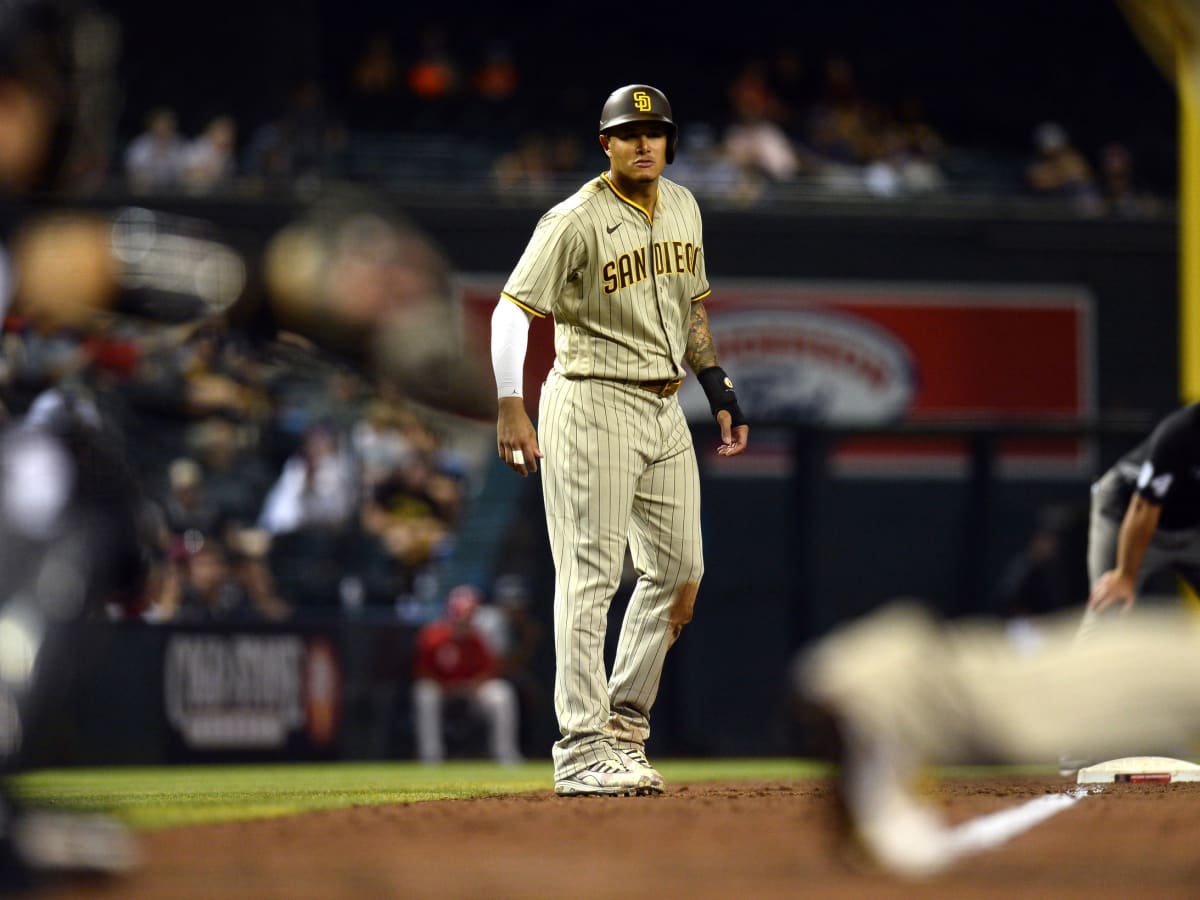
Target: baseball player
[
  {"x": 620, "y": 266},
  {"x": 1144, "y": 522},
  {"x": 1145, "y": 516},
  {"x": 901, "y": 689}
]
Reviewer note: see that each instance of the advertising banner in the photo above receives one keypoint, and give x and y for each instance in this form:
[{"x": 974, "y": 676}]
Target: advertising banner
[
  {"x": 866, "y": 357},
  {"x": 245, "y": 693}
]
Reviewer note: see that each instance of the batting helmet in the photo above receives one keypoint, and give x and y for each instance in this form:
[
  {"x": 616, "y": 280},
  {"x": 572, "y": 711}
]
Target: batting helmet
[{"x": 640, "y": 103}]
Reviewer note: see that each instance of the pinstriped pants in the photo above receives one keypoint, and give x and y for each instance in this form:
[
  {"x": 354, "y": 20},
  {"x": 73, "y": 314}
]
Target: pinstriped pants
[{"x": 619, "y": 470}]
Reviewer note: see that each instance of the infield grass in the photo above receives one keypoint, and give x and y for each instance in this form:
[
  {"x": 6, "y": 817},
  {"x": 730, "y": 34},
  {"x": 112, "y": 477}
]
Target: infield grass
[{"x": 159, "y": 797}]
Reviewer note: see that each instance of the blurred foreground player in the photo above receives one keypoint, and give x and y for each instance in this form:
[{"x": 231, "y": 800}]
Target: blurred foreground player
[
  {"x": 348, "y": 280},
  {"x": 70, "y": 512},
  {"x": 901, "y": 690}
]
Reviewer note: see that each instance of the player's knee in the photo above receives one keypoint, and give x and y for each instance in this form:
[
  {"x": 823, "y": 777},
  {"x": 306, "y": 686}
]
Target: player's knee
[{"x": 682, "y": 606}]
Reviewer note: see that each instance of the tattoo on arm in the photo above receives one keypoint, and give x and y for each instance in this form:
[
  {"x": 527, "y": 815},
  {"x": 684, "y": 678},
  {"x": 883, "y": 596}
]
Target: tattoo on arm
[{"x": 700, "y": 353}]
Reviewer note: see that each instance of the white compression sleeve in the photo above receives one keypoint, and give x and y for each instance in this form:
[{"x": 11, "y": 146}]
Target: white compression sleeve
[{"x": 510, "y": 339}]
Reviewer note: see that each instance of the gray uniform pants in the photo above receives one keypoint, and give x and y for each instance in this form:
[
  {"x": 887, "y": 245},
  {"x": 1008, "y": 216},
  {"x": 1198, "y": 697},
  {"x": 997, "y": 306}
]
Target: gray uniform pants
[{"x": 619, "y": 470}]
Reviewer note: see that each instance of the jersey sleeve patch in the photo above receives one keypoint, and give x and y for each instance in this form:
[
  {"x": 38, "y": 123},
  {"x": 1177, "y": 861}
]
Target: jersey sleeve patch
[{"x": 1153, "y": 487}]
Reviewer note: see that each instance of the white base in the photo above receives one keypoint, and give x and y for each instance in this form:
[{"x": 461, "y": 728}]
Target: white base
[{"x": 1140, "y": 769}]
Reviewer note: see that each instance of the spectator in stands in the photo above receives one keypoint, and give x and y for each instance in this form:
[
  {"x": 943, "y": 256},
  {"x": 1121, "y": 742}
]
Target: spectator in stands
[
  {"x": 415, "y": 510},
  {"x": 538, "y": 164},
  {"x": 435, "y": 80},
  {"x": 235, "y": 467},
  {"x": 705, "y": 166},
  {"x": 493, "y": 99},
  {"x": 190, "y": 513},
  {"x": 210, "y": 159},
  {"x": 1060, "y": 170},
  {"x": 755, "y": 139},
  {"x": 453, "y": 665},
  {"x": 381, "y": 442},
  {"x": 905, "y": 164},
  {"x": 1123, "y": 196},
  {"x": 317, "y": 489},
  {"x": 375, "y": 85},
  {"x": 214, "y": 584},
  {"x": 304, "y": 145},
  {"x": 311, "y": 514},
  {"x": 840, "y": 125},
  {"x": 155, "y": 159}
]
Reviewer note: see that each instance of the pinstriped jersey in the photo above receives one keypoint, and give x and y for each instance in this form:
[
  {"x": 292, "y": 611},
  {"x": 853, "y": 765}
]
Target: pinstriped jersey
[{"x": 619, "y": 286}]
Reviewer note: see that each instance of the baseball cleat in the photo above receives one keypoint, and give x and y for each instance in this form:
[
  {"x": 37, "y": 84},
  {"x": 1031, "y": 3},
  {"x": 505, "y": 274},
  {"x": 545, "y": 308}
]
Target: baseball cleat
[
  {"x": 635, "y": 759},
  {"x": 604, "y": 779}
]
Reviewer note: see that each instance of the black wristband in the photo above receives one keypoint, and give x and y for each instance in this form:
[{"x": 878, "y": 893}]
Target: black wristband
[{"x": 719, "y": 390}]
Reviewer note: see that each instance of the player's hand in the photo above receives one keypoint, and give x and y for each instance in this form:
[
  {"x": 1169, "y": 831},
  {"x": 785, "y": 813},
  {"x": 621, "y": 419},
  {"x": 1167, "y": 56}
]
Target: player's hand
[
  {"x": 733, "y": 440},
  {"x": 1113, "y": 588},
  {"x": 516, "y": 439}
]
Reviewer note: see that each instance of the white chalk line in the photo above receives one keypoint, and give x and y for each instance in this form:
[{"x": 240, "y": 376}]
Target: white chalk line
[{"x": 991, "y": 830}]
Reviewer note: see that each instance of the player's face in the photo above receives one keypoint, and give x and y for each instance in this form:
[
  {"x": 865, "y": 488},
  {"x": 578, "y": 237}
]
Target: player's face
[{"x": 637, "y": 151}]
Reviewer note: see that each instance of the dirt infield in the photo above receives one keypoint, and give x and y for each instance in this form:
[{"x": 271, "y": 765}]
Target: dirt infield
[{"x": 713, "y": 840}]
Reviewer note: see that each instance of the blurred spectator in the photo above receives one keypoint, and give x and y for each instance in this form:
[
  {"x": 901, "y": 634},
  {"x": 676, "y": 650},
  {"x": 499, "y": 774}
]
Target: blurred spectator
[
  {"x": 187, "y": 507},
  {"x": 155, "y": 159},
  {"x": 493, "y": 106},
  {"x": 751, "y": 93},
  {"x": 234, "y": 465},
  {"x": 840, "y": 123},
  {"x": 456, "y": 673},
  {"x": 760, "y": 145},
  {"x": 1123, "y": 196},
  {"x": 755, "y": 139},
  {"x": 310, "y": 513},
  {"x": 375, "y": 84},
  {"x": 525, "y": 168},
  {"x": 539, "y": 163},
  {"x": 317, "y": 488},
  {"x": 1060, "y": 170},
  {"x": 904, "y": 164},
  {"x": 414, "y": 511},
  {"x": 435, "y": 80},
  {"x": 210, "y": 160},
  {"x": 788, "y": 77},
  {"x": 304, "y": 145},
  {"x": 705, "y": 166},
  {"x": 381, "y": 441},
  {"x": 213, "y": 584}
]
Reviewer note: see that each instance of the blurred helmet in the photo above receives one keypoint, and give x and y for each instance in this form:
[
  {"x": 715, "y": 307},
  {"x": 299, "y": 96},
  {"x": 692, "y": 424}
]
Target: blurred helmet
[{"x": 640, "y": 103}]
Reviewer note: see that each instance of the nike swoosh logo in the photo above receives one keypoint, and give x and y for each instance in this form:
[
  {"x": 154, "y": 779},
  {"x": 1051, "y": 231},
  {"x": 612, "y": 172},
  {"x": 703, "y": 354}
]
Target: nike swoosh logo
[{"x": 614, "y": 228}]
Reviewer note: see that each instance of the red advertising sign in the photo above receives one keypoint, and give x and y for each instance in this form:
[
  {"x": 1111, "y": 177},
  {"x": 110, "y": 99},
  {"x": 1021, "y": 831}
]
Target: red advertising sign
[{"x": 871, "y": 355}]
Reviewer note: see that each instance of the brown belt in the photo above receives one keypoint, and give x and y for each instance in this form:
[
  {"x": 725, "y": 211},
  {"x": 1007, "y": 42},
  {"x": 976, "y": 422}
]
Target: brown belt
[{"x": 665, "y": 388}]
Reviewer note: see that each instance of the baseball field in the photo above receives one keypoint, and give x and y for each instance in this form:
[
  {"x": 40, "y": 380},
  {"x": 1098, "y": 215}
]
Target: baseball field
[{"x": 724, "y": 829}]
